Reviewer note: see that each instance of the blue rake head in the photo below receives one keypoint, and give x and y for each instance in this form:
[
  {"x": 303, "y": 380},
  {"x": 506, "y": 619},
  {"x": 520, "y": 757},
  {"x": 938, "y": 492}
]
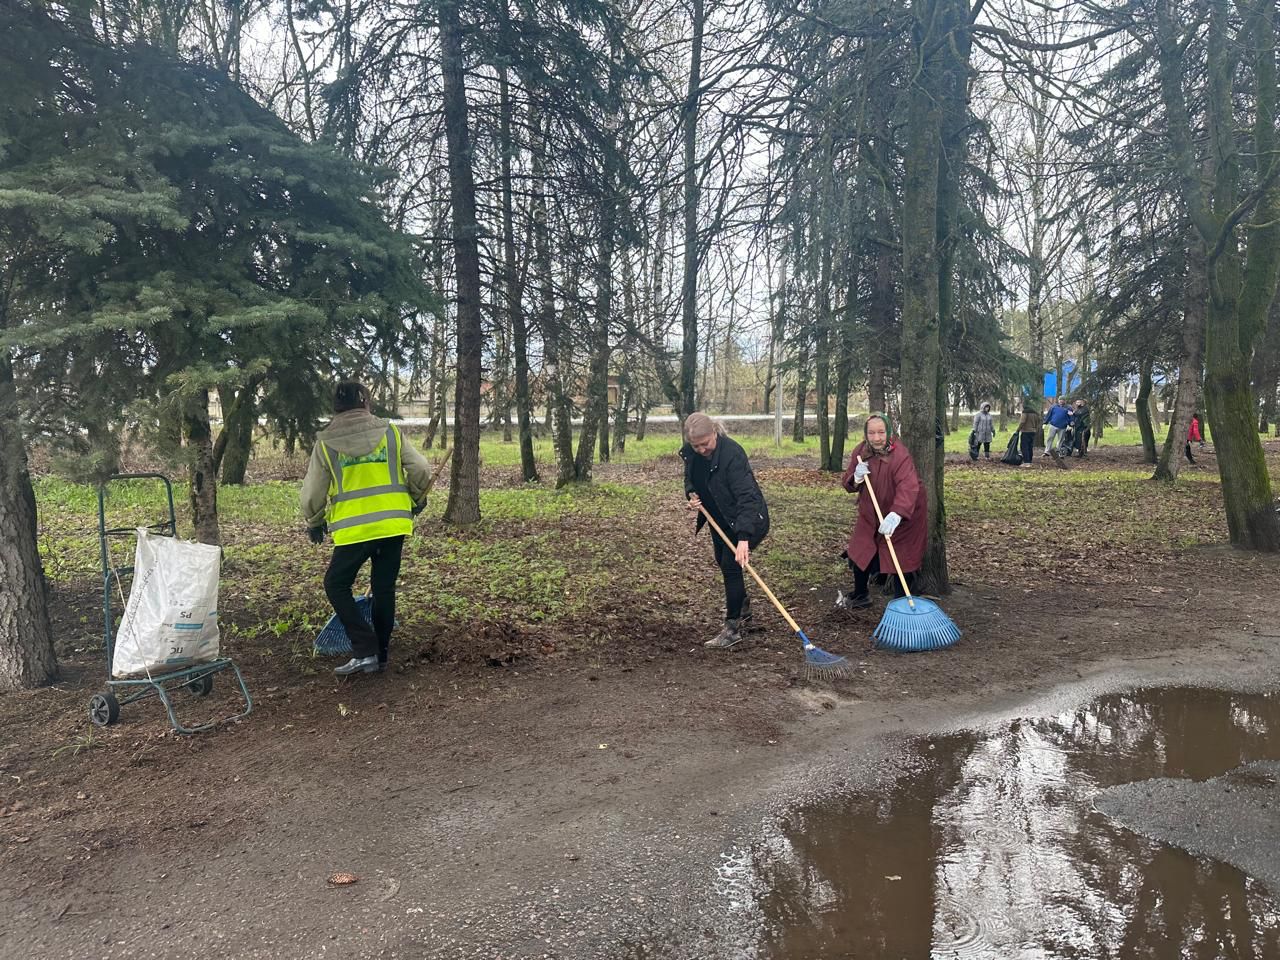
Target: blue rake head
[
  {"x": 333, "y": 639},
  {"x": 920, "y": 627},
  {"x": 819, "y": 664}
]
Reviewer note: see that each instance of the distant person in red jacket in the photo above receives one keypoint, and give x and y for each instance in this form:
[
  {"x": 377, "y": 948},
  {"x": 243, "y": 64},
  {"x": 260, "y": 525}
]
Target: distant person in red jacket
[
  {"x": 887, "y": 465},
  {"x": 1194, "y": 436}
]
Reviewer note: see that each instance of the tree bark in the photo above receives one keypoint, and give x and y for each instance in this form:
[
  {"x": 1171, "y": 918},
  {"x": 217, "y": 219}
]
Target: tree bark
[
  {"x": 802, "y": 388},
  {"x": 922, "y": 405},
  {"x": 595, "y": 415},
  {"x": 203, "y": 485},
  {"x": 822, "y": 352},
  {"x": 27, "y": 656},
  {"x": 844, "y": 375},
  {"x": 881, "y": 317},
  {"x": 1190, "y": 365},
  {"x": 234, "y": 445},
  {"x": 510, "y": 282},
  {"x": 689, "y": 286},
  {"x": 464, "y": 483},
  {"x": 1143, "y": 411},
  {"x": 1241, "y": 289}
]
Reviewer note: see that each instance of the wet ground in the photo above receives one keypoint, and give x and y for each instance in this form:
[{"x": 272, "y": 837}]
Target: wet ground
[{"x": 992, "y": 844}]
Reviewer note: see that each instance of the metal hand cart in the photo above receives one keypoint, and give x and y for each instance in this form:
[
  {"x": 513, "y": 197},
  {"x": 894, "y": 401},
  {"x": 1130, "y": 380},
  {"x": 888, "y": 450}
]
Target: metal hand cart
[{"x": 104, "y": 708}]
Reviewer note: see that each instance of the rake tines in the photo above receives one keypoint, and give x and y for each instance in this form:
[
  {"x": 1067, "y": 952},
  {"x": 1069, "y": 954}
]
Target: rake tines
[
  {"x": 821, "y": 665},
  {"x": 914, "y": 623}
]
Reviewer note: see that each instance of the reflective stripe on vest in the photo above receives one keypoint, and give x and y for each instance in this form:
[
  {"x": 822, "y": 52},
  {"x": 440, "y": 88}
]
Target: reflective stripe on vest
[{"x": 368, "y": 499}]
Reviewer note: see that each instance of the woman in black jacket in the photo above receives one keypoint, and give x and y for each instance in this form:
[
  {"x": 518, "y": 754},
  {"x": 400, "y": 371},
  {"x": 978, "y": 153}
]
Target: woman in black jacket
[{"x": 718, "y": 477}]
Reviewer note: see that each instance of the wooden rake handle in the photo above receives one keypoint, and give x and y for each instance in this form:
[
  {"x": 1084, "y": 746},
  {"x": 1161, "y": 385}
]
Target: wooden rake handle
[
  {"x": 795, "y": 628},
  {"x": 440, "y": 469},
  {"x": 888, "y": 538}
]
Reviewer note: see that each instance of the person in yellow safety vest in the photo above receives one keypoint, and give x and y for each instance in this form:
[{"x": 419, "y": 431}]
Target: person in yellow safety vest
[{"x": 364, "y": 485}]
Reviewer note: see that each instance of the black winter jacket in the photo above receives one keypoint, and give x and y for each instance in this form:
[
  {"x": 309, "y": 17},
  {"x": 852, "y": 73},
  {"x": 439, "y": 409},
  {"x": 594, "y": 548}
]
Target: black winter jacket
[{"x": 728, "y": 489}]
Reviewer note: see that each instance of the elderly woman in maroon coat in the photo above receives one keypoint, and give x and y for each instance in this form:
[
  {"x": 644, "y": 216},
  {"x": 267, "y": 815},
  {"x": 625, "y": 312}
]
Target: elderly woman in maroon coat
[{"x": 887, "y": 465}]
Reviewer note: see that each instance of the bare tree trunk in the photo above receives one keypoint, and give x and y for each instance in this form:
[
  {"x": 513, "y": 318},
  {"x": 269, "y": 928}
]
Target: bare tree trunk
[
  {"x": 1243, "y": 288},
  {"x": 464, "y": 482},
  {"x": 203, "y": 487},
  {"x": 881, "y": 312},
  {"x": 689, "y": 287},
  {"x": 27, "y": 656},
  {"x": 1189, "y": 366},
  {"x": 929, "y": 201},
  {"x": 844, "y": 372},
  {"x": 596, "y": 413},
  {"x": 802, "y": 387},
  {"x": 234, "y": 445},
  {"x": 1143, "y": 410},
  {"x": 510, "y": 282},
  {"x": 822, "y": 345}
]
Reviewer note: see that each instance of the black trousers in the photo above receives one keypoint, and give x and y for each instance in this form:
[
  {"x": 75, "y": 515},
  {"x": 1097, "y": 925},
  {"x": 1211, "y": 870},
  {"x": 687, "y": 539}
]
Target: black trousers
[
  {"x": 735, "y": 588},
  {"x": 1028, "y": 447},
  {"x": 862, "y": 578},
  {"x": 1190, "y": 458},
  {"x": 986, "y": 448},
  {"x": 344, "y": 565}
]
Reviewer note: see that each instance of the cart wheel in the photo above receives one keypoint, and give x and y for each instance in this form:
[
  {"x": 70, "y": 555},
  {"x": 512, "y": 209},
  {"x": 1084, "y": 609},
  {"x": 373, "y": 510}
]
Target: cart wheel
[
  {"x": 201, "y": 686},
  {"x": 104, "y": 709}
]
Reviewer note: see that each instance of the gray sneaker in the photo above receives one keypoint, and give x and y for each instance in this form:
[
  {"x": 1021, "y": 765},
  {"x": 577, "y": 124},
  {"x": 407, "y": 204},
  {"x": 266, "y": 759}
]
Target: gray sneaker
[
  {"x": 357, "y": 665},
  {"x": 851, "y": 601},
  {"x": 726, "y": 638}
]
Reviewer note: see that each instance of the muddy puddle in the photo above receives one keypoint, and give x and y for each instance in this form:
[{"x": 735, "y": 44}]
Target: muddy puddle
[{"x": 992, "y": 847}]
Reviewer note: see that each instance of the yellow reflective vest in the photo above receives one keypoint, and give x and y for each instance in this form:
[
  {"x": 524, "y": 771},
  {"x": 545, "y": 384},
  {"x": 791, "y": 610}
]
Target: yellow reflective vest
[{"x": 368, "y": 498}]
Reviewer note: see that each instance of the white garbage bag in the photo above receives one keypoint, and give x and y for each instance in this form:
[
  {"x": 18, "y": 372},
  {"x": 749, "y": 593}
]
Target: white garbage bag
[{"x": 171, "y": 619}]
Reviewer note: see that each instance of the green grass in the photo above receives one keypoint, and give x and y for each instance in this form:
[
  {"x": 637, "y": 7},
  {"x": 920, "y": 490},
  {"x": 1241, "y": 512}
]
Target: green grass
[
  {"x": 547, "y": 556},
  {"x": 495, "y": 452}
]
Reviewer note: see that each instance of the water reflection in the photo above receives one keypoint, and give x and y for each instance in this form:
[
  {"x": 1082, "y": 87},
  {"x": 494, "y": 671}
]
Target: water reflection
[{"x": 993, "y": 848}]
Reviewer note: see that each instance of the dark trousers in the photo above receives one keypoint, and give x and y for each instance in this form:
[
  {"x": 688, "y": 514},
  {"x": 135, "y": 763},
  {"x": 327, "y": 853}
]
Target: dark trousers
[
  {"x": 986, "y": 449},
  {"x": 735, "y": 588},
  {"x": 344, "y": 565},
  {"x": 1028, "y": 447},
  {"x": 862, "y": 578},
  {"x": 1190, "y": 458},
  {"x": 1082, "y": 441}
]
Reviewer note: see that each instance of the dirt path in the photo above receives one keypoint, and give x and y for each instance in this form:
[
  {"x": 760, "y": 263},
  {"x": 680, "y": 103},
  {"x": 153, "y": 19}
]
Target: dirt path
[
  {"x": 564, "y": 797},
  {"x": 570, "y": 809}
]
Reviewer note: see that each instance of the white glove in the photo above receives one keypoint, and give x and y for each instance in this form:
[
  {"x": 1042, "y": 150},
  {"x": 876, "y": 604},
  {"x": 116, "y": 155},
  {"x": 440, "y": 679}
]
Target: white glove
[
  {"x": 889, "y": 523},
  {"x": 860, "y": 472}
]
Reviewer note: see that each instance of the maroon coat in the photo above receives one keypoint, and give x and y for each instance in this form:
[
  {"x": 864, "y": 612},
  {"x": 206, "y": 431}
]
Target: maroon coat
[{"x": 899, "y": 491}]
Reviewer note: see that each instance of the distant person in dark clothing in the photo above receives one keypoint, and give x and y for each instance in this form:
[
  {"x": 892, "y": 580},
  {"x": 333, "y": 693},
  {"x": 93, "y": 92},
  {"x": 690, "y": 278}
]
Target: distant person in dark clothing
[
  {"x": 718, "y": 478},
  {"x": 1028, "y": 427},
  {"x": 1083, "y": 428}
]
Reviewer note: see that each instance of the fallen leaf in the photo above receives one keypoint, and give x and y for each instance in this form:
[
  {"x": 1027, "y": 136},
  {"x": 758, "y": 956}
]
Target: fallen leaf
[
  {"x": 342, "y": 879},
  {"x": 893, "y": 877}
]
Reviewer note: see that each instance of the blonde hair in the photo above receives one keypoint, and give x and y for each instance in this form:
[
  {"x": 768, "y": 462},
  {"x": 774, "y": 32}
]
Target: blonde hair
[{"x": 700, "y": 425}]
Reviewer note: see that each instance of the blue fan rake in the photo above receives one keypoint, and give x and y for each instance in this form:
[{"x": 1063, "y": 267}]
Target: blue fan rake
[
  {"x": 818, "y": 663},
  {"x": 333, "y": 640},
  {"x": 910, "y": 623}
]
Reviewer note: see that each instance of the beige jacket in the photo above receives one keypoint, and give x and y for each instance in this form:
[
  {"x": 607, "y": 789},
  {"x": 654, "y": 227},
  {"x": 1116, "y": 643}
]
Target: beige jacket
[{"x": 357, "y": 432}]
